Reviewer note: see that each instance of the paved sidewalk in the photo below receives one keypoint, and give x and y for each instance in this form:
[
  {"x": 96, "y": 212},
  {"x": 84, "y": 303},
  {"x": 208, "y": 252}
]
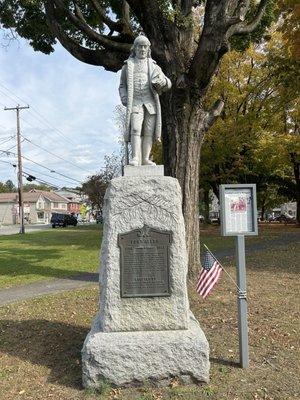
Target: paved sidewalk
[
  {"x": 14, "y": 229},
  {"x": 44, "y": 288}
]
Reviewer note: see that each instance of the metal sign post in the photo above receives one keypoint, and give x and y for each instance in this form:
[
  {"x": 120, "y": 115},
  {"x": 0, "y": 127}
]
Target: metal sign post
[
  {"x": 239, "y": 218},
  {"x": 242, "y": 301}
]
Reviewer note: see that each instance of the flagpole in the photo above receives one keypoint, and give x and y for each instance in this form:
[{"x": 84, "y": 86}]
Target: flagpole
[
  {"x": 241, "y": 298},
  {"x": 239, "y": 290}
]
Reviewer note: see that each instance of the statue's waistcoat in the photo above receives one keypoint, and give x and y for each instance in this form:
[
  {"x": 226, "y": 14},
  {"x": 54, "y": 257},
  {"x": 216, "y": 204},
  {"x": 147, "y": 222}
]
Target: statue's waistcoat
[
  {"x": 132, "y": 85},
  {"x": 142, "y": 93}
]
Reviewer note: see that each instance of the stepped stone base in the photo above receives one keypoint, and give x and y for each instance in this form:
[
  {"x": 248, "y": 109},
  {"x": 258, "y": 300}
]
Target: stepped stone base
[
  {"x": 131, "y": 358},
  {"x": 143, "y": 170},
  {"x": 153, "y": 338}
]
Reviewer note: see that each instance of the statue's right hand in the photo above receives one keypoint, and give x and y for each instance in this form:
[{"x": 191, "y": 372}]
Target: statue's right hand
[{"x": 124, "y": 101}]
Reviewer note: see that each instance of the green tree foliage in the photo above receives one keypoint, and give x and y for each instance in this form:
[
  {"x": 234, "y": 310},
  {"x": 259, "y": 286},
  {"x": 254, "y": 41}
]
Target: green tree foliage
[
  {"x": 257, "y": 138},
  {"x": 290, "y": 12},
  {"x": 96, "y": 185},
  {"x": 7, "y": 187},
  {"x": 29, "y": 186}
]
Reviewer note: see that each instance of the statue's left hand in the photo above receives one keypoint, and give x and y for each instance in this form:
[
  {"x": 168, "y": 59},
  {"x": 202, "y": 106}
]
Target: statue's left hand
[{"x": 159, "y": 82}]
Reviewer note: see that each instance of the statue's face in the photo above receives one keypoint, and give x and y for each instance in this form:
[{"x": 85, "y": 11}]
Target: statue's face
[{"x": 141, "y": 50}]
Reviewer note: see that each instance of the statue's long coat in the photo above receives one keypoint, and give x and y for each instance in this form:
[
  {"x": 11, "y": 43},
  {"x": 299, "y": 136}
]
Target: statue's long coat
[{"x": 126, "y": 91}]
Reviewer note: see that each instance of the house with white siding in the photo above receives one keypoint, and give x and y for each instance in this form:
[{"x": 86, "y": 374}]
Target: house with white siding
[{"x": 39, "y": 205}]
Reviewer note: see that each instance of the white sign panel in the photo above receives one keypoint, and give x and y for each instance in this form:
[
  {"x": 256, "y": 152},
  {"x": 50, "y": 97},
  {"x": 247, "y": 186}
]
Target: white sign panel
[{"x": 238, "y": 208}]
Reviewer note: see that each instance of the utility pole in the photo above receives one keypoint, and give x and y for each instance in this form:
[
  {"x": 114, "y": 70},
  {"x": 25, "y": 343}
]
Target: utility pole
[{"x": 20, "y": 170}]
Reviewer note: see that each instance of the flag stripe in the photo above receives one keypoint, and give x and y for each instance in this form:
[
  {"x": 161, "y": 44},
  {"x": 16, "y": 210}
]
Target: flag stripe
[
  {"x": 209, "y": 282},
  {"x": 209, "y": 275},
  {"x": 208, "y": 291}
]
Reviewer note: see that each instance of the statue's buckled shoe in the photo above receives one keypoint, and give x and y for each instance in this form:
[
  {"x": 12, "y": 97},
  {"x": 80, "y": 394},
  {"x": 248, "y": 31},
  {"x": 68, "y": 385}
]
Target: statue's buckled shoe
[
  {"x": 148, "y": 162},
  {"x": 134, "y": 162}
]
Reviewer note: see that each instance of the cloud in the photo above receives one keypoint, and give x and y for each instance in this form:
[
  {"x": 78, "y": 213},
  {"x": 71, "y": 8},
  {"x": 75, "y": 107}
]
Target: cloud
[{"x": 71, "y": 111}]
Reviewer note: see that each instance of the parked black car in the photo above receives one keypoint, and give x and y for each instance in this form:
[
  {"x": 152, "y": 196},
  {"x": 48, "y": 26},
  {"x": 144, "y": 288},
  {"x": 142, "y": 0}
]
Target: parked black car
[
  {"x": 286, "y": 218},
  {"x": 62, "y": 220}
]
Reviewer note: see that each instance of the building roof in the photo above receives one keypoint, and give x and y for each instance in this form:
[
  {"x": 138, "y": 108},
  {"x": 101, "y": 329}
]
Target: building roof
[
  {"x": 49, "y": 195},
  {"x": 8, "y": 197},
  {"x": 32, "y": 196}
]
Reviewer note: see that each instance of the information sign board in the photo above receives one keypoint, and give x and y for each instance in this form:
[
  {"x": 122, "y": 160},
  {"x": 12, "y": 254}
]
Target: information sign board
[{"x": 238, "y": 209}]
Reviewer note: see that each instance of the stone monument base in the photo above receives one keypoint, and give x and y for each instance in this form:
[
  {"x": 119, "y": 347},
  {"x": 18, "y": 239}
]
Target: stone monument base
[{"x": 131, "y": 358}]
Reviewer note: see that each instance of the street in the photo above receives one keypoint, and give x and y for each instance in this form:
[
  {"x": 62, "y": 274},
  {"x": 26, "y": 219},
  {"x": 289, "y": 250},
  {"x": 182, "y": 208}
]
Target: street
[{"x": 13, "y": 229}]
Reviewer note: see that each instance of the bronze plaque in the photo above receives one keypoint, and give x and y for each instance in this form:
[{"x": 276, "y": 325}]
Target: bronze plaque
[{"x": 145, "y": 262}]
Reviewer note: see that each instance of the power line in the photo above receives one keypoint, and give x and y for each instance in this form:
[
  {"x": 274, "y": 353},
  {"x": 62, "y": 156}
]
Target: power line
[
  {"x": 40, "y": 117},
  {"x": 54, "y": 155},
  {"x": 37, "y": 179},
  {"x": 43, "y": 166},
  {"x": 49, "y": 176},
  {"x": 7, "y": 150},
  {"x": 41, "y": 180},
  {"x": 6, "y": 140},
  {"x": 7, "y": 162}
]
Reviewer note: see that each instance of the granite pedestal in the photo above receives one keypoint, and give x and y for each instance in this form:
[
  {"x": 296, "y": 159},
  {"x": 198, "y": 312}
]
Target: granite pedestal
[{"x": 154, "y": 338}]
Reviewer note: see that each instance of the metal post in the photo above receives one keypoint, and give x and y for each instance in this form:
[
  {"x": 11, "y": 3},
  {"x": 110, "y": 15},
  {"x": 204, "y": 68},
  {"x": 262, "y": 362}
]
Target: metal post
[
  {"x": 242, "y": 301},
  {"x": 20, "y": 170}
]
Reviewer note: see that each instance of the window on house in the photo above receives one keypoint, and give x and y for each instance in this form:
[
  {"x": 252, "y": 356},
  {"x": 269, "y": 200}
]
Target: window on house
[
  {"x": 55, "y": 205},
  {"x": 40, "y": 216}
]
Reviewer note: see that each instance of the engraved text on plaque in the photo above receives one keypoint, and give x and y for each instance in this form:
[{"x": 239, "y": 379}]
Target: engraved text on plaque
[{"x": 145, "y": 263}]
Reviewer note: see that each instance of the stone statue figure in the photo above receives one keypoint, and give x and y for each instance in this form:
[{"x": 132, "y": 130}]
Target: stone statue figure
[{"x": 142, "y": 80}]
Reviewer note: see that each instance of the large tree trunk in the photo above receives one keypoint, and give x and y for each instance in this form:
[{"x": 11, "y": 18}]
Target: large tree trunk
[{"x": 182, "y": 136}]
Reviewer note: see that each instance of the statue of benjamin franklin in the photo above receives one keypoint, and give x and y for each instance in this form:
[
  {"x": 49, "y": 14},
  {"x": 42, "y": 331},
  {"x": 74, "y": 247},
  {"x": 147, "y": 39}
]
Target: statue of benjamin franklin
[{"x": 142, "y": 80}]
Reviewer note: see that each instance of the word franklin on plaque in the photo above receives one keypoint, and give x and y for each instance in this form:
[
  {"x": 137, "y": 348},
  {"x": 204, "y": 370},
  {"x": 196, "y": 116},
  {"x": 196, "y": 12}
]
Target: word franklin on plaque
[{"x": 145, "y": 262}]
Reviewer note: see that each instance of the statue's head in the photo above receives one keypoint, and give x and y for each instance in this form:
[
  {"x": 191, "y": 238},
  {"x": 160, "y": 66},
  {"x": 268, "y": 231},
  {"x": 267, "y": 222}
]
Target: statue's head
[{"x": 141, "y": 47}]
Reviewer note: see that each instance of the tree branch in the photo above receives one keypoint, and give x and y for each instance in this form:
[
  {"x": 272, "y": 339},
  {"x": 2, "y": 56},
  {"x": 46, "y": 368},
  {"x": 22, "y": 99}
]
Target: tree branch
[
  {"x": 110, "y": 60},
  {"x": 186, "y": 6},
  {"x": 112, "y": 25},
  {"x": 212, "y": 44},
  {"x": 242, "y": 27},
  {"x": 213, "y": 114},
  {"x": 237, "y": 11},
  {"x": 122, "y": 26},
  {"x": 79, "y": 21},
  {"x": 151, "y": 17}
]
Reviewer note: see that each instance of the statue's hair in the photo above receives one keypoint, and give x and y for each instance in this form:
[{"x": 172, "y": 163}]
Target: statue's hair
[{"x": 140, "y": 39}]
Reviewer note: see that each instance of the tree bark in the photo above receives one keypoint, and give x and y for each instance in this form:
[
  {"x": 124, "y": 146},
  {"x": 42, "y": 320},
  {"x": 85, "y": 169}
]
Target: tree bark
[{"x": 183, "y": 122}]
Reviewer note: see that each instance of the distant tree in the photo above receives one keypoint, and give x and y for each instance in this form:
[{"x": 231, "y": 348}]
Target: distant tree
[
  {"x": 10, "y": 186},
  {"x": 7, "y": 187},
  {"x": 30, "y": 186},
  {"x": 96, "y": 185},
  {"x": 3, "y": 188}
]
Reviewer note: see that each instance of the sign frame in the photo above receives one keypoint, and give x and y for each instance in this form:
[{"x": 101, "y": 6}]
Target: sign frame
[{"x": 224, "y": 217}]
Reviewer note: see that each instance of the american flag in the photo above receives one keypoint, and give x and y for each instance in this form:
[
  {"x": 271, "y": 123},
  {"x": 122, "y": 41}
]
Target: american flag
[{"x": 209, "y": 275}]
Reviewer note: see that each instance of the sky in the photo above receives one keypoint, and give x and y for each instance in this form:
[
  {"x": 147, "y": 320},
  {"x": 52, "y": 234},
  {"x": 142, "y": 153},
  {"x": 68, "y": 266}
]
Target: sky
[{"x": 71, "y": 114}]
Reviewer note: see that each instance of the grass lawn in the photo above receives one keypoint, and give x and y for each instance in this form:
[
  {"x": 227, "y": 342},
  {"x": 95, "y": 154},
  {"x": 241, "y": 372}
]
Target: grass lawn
[
  {"x": 48, "y": 254},
  {"x": 40, "y": 340},
  {"x": 64, "y": 252}
]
